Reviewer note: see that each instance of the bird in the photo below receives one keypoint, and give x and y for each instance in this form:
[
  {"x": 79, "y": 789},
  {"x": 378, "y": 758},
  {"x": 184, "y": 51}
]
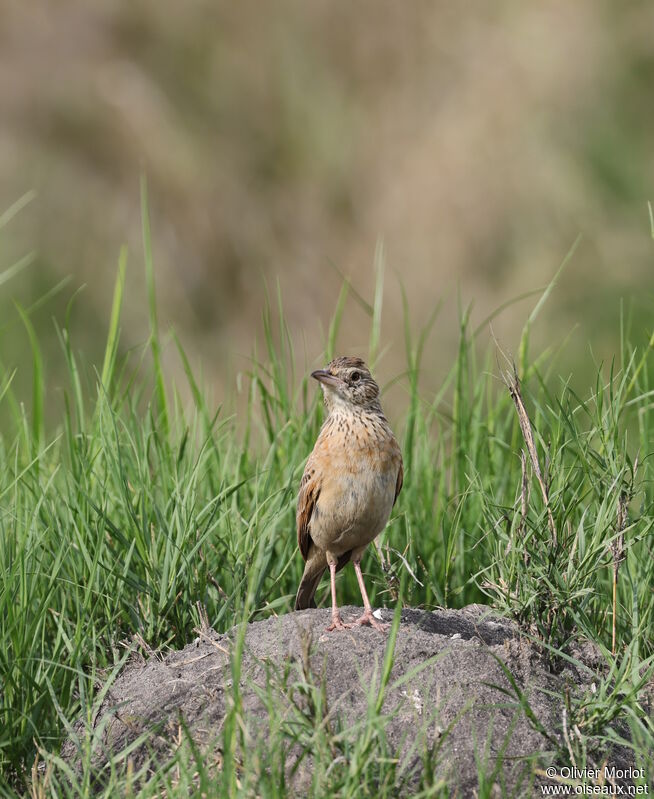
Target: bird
[{"x": 351, "y": 481}]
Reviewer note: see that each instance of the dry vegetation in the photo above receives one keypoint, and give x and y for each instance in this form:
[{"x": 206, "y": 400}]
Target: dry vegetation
[{"x": 286, "y": 138}]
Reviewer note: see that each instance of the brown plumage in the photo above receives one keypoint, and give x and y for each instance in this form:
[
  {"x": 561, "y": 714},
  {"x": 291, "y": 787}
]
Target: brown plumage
[{"x": 350, "y": 483}]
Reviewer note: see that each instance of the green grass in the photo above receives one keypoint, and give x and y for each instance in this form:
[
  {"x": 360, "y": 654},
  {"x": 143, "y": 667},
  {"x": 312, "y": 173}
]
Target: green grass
[{"x": 138, "y": 509}]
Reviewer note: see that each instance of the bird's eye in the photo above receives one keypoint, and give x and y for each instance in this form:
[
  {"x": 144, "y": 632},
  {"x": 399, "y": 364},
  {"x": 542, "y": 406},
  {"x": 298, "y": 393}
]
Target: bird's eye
[{"x": 355, "y": 377}]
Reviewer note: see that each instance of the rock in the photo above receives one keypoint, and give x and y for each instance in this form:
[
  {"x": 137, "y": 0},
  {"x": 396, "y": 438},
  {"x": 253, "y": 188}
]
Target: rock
[{"x": 448, "y": 697}]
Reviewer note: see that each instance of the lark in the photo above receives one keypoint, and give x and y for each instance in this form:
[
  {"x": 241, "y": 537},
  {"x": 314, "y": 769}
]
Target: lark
[{"x": 350, "y": 483}]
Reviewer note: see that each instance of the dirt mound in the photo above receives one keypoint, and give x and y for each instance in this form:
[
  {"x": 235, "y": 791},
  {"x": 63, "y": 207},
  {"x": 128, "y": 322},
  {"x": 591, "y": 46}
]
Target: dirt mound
[{"x": 448, "y": 694}]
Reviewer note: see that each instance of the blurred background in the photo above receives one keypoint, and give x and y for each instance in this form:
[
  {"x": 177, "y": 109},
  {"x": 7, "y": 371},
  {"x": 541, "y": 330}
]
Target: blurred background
[{"x": 282, "y": 140}]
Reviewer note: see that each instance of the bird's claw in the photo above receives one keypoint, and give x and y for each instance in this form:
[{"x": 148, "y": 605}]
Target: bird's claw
[
  {"x": 338, "y": 624},
  {"x": 370, "y": 620}
]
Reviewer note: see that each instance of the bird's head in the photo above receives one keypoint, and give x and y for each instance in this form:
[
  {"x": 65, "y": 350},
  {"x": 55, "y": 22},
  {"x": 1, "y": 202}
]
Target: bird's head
[{"x": 346, "y": 382}]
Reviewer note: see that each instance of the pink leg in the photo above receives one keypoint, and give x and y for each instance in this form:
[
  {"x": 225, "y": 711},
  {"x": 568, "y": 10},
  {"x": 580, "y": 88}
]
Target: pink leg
[
  {"x": 367, "y": 617},
  {"x": 337, "y": 621}
]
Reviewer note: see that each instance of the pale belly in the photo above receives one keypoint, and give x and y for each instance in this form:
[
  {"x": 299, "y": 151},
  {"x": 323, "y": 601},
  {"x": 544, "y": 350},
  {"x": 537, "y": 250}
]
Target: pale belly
[{"x": 353, "y": 510}]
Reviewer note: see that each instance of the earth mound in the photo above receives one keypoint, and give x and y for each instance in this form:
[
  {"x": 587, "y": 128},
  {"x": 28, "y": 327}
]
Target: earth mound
[{"x": 449, "y": 696}]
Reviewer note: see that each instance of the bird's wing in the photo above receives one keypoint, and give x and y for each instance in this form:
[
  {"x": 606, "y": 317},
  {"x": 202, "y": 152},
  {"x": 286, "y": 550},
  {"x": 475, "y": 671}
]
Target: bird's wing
[
  {"x": 399, "y": 481},
  {"x": 306, "y": 502}
]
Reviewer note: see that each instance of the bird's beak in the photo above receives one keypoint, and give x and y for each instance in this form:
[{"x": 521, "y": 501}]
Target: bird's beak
[{"x": 323, "y": 376}]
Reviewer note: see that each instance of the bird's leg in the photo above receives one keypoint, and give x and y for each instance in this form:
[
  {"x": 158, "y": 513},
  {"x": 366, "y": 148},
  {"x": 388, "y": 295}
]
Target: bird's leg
[
  {"x": 337, "y": 621},
  {"x": 367, "y": 617}
]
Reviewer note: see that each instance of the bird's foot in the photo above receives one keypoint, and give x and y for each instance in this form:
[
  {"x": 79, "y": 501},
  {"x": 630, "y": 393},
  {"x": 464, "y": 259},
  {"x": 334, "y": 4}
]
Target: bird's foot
[
  {"x": 337, "y": 623},
  {"x": 370, "y": 620}
]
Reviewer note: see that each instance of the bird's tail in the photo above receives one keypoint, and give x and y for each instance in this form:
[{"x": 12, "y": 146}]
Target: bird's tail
[
  {"x": 313, "y": 571},
  {"x": 307, "y": 589}
]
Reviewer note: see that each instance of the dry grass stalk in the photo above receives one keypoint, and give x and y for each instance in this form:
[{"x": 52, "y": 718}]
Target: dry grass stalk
[
  {"x": 512, "y": 383},
  {"x": 524, "y": 499},
  {"x": 205, "y": 627},
  {"x": 392, "y": 582}
]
